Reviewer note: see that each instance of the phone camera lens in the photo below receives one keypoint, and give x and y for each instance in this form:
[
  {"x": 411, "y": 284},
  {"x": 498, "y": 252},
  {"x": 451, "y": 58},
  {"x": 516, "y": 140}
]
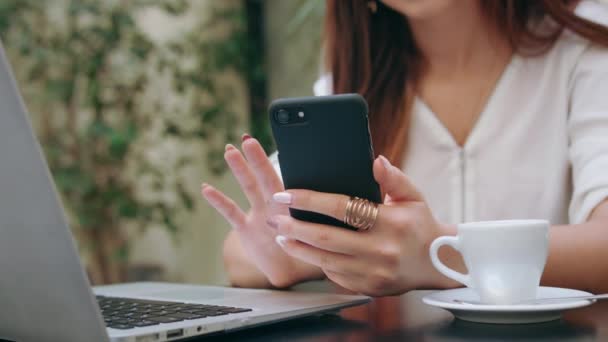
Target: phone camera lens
[{"x": 283, "y": 116}]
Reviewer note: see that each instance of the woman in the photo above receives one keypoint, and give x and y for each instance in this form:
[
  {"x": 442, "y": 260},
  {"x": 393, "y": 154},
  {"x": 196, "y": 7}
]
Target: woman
[{"x": 491, "y": 110}]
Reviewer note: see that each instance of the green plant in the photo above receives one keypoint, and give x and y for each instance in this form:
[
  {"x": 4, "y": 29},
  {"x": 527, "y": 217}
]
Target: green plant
[{"x": 90, "y": 76}]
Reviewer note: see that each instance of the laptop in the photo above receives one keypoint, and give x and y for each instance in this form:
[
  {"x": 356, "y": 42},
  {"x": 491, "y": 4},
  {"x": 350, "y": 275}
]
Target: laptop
[{"x": 45, "y": 295}]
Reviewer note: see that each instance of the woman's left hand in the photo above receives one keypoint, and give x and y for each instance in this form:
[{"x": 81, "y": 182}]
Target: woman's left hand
[{"x": 389, "y": 259}]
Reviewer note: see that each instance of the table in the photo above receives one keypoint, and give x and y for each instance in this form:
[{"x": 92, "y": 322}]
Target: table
[{"x": 406, "y": 318}]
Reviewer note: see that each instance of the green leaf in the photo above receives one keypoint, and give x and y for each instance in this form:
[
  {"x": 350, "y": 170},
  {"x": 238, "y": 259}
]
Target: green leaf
[
  {"x": 121, "y": 253},
  {"x": 73, "y": 179},
  {"x": 185, "y": 197},
  {"x": 98, "y": 129},
  {"x": 169, "y": 223},
  {"x": 211, "y": 114},
  {"x": 127, "y": 207},
  {"x": 119, "y": 144},
  {"x": 141, "y": 47},
  {"x": 61, "y": 89},
  {"x": 85, "y": 219}
]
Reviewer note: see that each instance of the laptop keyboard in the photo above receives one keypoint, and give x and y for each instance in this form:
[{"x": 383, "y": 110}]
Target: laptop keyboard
[{"x": 127, "y": 313}]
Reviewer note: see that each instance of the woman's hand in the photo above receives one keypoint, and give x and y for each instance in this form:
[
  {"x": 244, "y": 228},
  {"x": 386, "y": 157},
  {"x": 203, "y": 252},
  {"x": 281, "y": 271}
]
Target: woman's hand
[
  {"x": 389, "y": 259},
  {"x": 259, "y": 181}
]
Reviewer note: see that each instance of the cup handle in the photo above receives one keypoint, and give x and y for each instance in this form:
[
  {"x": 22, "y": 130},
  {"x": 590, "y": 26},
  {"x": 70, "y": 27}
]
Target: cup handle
[{"x": 454, "y": 242}]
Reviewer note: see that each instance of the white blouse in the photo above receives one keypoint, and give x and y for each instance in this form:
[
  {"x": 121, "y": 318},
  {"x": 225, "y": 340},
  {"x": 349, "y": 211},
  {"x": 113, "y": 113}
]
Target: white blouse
[{"x": 539, "y": 148}]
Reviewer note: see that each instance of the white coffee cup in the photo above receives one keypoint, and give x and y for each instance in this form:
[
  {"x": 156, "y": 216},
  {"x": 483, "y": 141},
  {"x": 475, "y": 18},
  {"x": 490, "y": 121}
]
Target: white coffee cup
[{"x": 505, "y": 259}]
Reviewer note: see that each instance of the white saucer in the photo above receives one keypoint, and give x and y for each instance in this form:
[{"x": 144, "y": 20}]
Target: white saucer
[{"x": 506, "y": 314}]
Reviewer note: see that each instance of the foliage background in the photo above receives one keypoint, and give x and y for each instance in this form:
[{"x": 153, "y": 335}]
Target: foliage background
[{"x": 133, "y": 102}]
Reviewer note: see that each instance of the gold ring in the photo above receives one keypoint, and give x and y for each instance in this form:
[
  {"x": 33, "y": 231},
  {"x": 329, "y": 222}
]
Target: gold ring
[{"x": 360, "y": 213}]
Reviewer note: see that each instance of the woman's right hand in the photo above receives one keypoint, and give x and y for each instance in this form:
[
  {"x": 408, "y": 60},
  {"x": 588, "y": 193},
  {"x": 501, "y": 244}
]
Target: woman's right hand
[{"x": 259, "y": 181}]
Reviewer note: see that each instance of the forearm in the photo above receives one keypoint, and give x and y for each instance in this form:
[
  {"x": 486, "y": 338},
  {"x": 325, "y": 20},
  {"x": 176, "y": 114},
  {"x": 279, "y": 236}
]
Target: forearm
[
  {"x": 578, "y": 254},
  {"x": 239, "y": 268}
]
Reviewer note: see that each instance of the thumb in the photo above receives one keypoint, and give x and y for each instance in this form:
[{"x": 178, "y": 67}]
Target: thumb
[{"x": 394, "y": 182}]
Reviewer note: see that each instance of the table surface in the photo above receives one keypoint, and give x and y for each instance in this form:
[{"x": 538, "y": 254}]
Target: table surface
[{"x": 406, "y": 318}]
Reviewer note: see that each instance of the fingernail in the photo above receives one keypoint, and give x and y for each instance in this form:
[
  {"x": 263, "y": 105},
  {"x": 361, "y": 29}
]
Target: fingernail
[
  {"x": 229, "y": 147},
  {"x": 272, "y": 222},
  {"x": 387, "y": 165},
  {"x": 281, "y": 240},
  {"x": 282, "y": 197},
  {"x": 204, "y": 185},
  {"x": 245, "y": 136}
]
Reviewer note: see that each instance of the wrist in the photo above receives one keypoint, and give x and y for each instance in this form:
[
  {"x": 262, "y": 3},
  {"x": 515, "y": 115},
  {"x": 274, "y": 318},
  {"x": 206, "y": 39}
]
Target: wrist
[{"x": 294, "y": 272}]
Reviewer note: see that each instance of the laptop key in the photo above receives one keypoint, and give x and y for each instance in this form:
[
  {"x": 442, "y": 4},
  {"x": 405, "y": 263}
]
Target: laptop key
[
  {"x": 162, "y": 313},
  {"x": 184, "y": 310},
  {"x": 145, "y": 323},
  {"x": 145, "y": 316},
  {"x": 177, "y": 306},
  {"x": 237, "y": 310},
  {"x": 156, "y": 302},
  {"x": 165, "y": 319},
  {"x": 120, "y": 326},
  {"x": 197, "y": 306},
  {"x": 186, "y": 316}
]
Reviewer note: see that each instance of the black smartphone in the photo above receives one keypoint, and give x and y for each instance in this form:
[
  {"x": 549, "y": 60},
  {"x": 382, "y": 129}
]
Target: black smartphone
[{"x": 324, "y": 144}]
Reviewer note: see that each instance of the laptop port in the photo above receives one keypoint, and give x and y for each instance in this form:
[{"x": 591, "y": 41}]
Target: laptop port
[{"x": 175, "y": 333}]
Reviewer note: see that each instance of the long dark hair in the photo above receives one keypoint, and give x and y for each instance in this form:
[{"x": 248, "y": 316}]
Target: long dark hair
[{"x": 375, "y": 55}]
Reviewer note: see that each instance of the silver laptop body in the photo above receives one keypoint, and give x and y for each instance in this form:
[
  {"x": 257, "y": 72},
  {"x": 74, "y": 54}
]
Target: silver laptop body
[{"x": 44, "y": 293}]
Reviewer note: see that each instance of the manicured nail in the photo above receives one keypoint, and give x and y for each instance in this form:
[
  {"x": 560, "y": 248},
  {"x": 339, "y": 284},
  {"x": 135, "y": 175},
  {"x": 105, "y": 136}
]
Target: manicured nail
[
  {"x": 245, "y": 136},
  {"x": 387, "y": 165},
  {"x": 229, "y": 147},
  {"x": 272, "y": 222},
  {"x": 282, "y": 197},
  {"x": 281, "y": 240}
]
